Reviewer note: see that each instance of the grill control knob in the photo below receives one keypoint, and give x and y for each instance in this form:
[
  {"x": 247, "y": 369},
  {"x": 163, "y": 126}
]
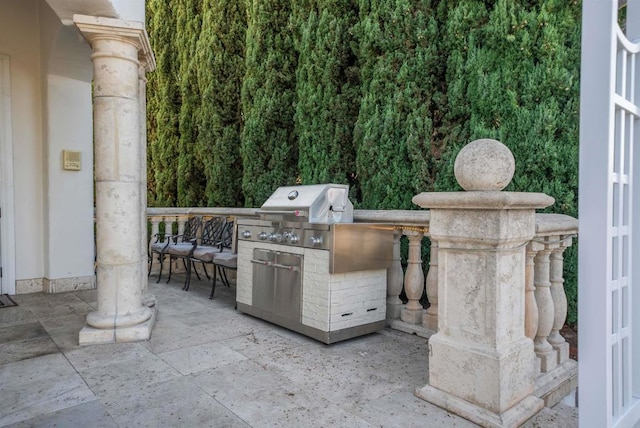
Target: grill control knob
[
  {"x": 293, "y": 238},
  {"x": 272, "y": 237},
  {"x": 316, "y": 241},
  {"x": 246, "y": 234},
  {"x": 262, "y": 236}
]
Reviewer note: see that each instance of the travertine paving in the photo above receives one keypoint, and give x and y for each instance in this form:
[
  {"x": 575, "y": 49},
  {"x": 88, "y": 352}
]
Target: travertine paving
[{"x": 208, "y": 365}]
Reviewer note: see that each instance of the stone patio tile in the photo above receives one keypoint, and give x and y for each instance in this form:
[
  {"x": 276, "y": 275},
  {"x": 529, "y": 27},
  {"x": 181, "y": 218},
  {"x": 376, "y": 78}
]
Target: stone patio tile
[
  {"x": 38, "y": 386},
  {"x": 201, "y": 357},
  {"x": 402, "y": 409},
  {"x": 345, "y": 378},
  {"x": 52, "y": 309},
  {"x": 260, "y": 343},
  {"x": 64, "y": 330},
  {"x": 172, "y": 403},
  {"x": 16, "y": 315},
  {"x": 107, "y": 380},
  {"x": 265, "y": 398},
  {"x": 26, "y": 349},
  {"x": 91, "y": 414},
  {"x": 21, "y": 332},
  {"x": 88, "y": 296},
  {"x": 89, "y": 357},
  {"x": 560, "y": 416}
]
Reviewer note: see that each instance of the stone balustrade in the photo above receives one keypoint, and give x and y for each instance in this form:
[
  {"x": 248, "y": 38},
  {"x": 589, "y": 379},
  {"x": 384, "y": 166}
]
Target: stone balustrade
[{"x": 544, "y": 297}]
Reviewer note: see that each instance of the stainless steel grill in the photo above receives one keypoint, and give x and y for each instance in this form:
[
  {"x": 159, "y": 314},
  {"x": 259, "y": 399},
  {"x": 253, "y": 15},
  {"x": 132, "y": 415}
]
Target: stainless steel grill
[{"x": 305, "y": 243}]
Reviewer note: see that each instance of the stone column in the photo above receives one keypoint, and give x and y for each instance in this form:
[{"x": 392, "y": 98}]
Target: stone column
[
  {"x": 481, "y": 363},
  {"x": 413, "y": 279},
  {"x": 430, "y": 317},
  {"x": 117, "y": 46}
]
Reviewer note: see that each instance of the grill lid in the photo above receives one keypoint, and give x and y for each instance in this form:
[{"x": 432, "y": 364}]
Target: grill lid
[{"x": 318, "y": 203}]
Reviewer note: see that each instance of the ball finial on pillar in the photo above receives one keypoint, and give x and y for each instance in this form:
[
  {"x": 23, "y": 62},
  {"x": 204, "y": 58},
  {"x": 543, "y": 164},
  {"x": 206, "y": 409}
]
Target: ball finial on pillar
[{"x": 484, "y": 165}]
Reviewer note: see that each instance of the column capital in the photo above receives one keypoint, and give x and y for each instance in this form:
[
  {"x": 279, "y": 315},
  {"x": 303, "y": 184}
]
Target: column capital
[{"x": 93, "y": 27}]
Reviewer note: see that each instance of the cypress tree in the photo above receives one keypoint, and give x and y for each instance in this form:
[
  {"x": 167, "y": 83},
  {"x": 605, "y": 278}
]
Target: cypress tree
[
  {"x": 394, "y": 128},
  {"x": 220, "y": 70},
  {"x": 269, "y": 148},
  {"x": 515, "y": 80},
  {"x": 328, "y": 95},
  {"x": 190, "y": 174},
  {"x": 163, "y": 99}
]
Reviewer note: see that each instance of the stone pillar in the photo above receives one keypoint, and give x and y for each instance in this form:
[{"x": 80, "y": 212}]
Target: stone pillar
[
  {"x": 481, "y": 363},
  {"x": 548, "y": 356},
  {"x": 144, "y": 241},
  {"x": 559, "y": 300},
  {"x": 117, "y": 46}
]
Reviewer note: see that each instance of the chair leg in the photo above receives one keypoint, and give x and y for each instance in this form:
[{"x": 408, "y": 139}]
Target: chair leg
[
  {"x": 170, "y": 268},
  {"x": 193, "y": 266},
  {"x": 150, "y": 264},
  {"x": 224, "y": 275},
  {"x": 206, "y": 272},
  {"x": 213, "y": 286},
  {"x": 187, "y": 281},
  {"x": 161, "y": 261}
]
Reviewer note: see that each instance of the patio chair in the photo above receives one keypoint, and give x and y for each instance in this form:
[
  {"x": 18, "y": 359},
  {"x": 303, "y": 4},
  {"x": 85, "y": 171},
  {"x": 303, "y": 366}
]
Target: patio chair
[
  {"x": 218, "y": 253},
  {"x": 175, "y": 245},
  {"x": 209, "y": 243}
]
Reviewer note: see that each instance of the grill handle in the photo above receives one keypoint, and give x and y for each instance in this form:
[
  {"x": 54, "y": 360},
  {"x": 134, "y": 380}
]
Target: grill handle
[
  {"x": 276, "y": 265},
  {"x": 262, "y": 262},
  {"x": 297, "y": 213}
]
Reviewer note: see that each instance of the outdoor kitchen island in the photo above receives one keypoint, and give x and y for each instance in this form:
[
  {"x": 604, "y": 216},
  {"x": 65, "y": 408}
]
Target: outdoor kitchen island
[{"x": 305, "y": 266}]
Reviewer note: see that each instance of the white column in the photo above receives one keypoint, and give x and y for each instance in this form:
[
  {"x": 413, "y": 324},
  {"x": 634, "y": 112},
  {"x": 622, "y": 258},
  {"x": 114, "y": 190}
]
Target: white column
[
  {"x": 117, "y": 45},
  {"x": 142, "y": 101}
]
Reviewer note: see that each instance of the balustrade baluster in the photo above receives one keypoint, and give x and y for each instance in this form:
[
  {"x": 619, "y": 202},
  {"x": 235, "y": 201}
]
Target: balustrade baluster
[
  {"x": 430, "y": 318},
  {"x": 544, "y": 350},
  {"x": 394, "y": 280},
  {"x": 413, "y": 279},
  {"x": 559, "y": 300},
  {"x": 530, "y": 304}
]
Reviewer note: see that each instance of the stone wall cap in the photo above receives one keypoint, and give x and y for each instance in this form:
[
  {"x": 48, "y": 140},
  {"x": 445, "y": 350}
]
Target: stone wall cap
[
  {"x": 482, "y": 200},
  {"x": 554, "y": 224}
]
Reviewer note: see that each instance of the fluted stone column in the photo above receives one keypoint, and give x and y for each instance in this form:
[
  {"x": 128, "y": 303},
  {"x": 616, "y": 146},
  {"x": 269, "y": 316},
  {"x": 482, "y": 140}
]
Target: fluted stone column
[
  {"x": 117, "y": 46},
  {"x": 480, "y": 361}
]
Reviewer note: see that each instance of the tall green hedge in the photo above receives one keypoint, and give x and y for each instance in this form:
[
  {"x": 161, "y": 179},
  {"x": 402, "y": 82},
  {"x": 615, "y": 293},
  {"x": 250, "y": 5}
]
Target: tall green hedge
[
  {"x": 393, "y": 132},
  {"x": 163, "y": 104},
  {"x": 219, "y": 58},
  {"x": 327, "y": 93},
  {"x": 269, "y": 145}
]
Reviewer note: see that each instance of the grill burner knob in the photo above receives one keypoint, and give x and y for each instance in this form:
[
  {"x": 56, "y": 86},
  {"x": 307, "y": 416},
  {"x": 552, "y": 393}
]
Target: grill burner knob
[
  {"x": 262, "y": 236},
  {"x": 272, "y": 237},
  {"x": 293, "y": 238},
  {"x": 246, "y": 234},
  {"x": 316, "y": 240}
]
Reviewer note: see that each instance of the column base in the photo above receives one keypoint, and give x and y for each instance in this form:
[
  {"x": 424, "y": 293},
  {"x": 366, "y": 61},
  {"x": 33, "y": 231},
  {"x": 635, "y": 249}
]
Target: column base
[
  {"x": 430, "y": 321},
  {"x": 563, "y": 351},
  {"x": 135, "y": 333},
  {"x": 412, "y": 316},
  {"x": 393, "y": 311},
  {"x": 548, "y": 360},
  {"x": 513, "y": 417},
  {"x": 552, "y": 387}
]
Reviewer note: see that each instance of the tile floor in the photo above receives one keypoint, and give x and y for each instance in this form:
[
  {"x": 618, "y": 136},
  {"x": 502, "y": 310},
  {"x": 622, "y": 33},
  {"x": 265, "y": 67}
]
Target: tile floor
[{"x": 207, "y": 365}]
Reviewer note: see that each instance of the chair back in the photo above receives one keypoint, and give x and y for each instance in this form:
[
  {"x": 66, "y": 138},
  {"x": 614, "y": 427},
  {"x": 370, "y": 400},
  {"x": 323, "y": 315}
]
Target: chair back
[
  {"x": 212, "y": 231},
  {"x": 226, "y": 240},
  {"x": 191, "y": 228}
]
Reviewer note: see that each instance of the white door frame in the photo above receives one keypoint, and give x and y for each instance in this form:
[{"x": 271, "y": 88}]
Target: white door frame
[
  {"x": 608, "y": 275},
  {"x": 7, "y": 218}
]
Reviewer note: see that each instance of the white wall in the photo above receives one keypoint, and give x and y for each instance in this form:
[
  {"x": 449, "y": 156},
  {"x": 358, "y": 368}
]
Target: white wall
[
  {"x": 132, "y": 10},
  {"x": 67, "y": 119},
  {"x": 19, "y": 39}
]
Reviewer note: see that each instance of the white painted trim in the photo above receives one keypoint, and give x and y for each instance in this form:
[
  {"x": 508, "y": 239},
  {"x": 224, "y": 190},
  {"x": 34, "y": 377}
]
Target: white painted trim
[{"x": 7, "y": 221}]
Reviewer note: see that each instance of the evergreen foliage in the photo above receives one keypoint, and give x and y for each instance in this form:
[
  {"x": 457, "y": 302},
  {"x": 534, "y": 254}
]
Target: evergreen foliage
[
  {"x": 190, "y": 177},
  {"x": 220, "y": 71},
  {"x": 513, "y": 76},
  {"x": 328, "y": 93},
  {"x": 269, "y": 147},
  {"x": 394, "y": 128},
  {"x": 163, "y": 104}
]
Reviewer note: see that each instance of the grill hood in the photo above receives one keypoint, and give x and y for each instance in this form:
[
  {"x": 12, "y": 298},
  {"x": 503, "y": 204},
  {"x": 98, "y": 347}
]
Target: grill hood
[{"x": 318, "y": 203}]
